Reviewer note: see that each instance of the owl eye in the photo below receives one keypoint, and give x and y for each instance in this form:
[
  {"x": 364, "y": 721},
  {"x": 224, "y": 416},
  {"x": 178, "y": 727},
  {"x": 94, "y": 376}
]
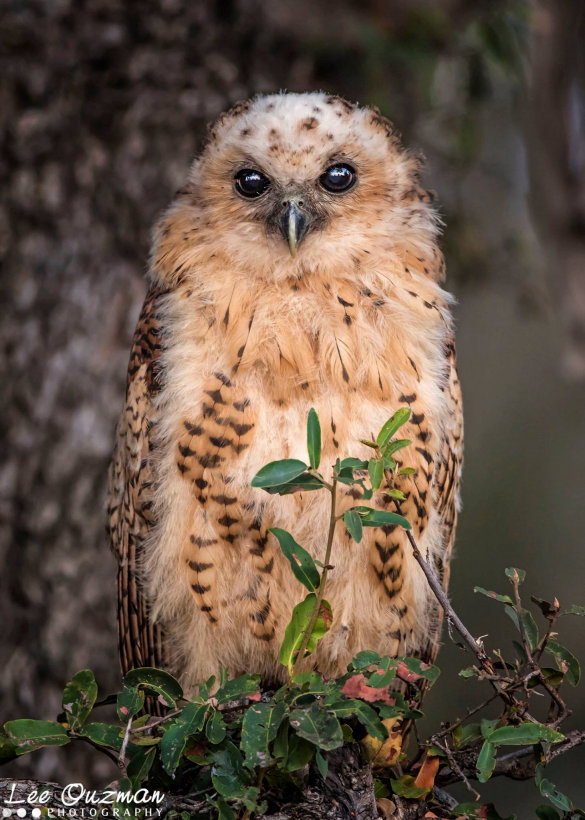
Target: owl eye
[
  {"x": 251, "y": 183},
  {"x": 338, "y": 178}
]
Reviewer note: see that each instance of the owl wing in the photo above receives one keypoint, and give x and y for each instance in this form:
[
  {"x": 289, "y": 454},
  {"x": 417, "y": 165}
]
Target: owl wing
[
  {"x": 446, "y": 487},
  {"x": 130, "y": 493}
]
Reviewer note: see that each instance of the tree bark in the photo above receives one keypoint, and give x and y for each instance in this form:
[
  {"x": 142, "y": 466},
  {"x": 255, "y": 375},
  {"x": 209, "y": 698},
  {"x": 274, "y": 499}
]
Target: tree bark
[{"x": 346, "y": 794}]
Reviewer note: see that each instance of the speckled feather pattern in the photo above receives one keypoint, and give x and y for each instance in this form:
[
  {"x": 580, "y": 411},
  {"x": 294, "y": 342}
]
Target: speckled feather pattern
[{"x": 236, "y": 342}]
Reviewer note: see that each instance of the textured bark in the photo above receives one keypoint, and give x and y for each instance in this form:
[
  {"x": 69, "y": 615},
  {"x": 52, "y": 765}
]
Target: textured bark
[{"x": 347, "y": 794}]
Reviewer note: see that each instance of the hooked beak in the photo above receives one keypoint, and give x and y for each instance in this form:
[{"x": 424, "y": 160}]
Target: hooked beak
[{"x": 294, "y": 224}]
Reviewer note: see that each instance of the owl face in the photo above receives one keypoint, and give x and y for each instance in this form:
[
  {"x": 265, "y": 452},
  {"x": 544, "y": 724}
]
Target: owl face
[{"x": 289, "y": 174}]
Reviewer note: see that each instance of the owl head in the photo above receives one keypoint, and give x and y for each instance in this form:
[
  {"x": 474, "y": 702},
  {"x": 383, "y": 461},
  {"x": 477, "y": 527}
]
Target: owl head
[{"x": 287, "y": 182}]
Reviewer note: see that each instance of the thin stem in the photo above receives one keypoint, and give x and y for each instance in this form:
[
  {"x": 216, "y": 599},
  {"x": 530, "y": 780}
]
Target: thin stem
[
  {"x": 156, "y": 722},
  {"x": 455, "y": 767},
  {"x": 122, "y": 755},
  {"x": 322, "y": 582}
]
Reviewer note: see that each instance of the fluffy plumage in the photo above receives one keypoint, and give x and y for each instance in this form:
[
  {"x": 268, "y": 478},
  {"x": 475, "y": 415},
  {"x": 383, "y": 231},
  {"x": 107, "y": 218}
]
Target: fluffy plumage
[{"x": 236, "y": 341}]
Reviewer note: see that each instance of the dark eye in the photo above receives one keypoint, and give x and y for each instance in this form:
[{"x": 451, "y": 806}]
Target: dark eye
[
  {"x": 251, "y": 183},
  {"x": 338, "y": 178}
]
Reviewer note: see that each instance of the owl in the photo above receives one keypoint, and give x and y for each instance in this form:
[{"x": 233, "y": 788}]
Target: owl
[{"x": 297, "y": 268}]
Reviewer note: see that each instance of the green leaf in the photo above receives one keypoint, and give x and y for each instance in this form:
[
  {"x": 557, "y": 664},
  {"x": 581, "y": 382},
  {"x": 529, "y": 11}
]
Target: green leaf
[
  {"x": 305, "y": 483},
  {"x": 317, "y": 726},
  {"x": 393, "y": 424},
  {"x": 505, "y": 599},
  {"x": 172, "y": 744},
  {"x": 353, "y": 525},
  {"x": 216, "y": 728},
  {"x": 553, "y": 676},
  {"x": 241, "y": 687},
  {"x": 278, "y": 472},
  {"x": 486, "y": 761},
  {"x": 550, "y": 791},
  {"x": 396, "y": 494},
  {"x": 488, "y": 726},
  {"x": 405, "y": 787},
  {"x": 157, "y": 681},
  {"x": 29, "y": 735},
  {"x": 299, "y": 753},
  {"x": 380, "y": 518},
  {"x": 515, "y": 574},
  {"x": 365, "y": 658},
  {"x": 352, "y": 464},
  {"x": 392, "y": 446},
  {"x": 313, "y": 439},
  {"x": 228, "y": 775},
  {"x": 104, "y": 734},
  {"x": 224, "y": 812},
  {"x": 129, "y": 702},
  {"x": 520, "y": 651},
  {"x": 566, "y": 661},
  {"x": 322, "y": 764},
  {"x": 140, "y": 766},
  {"x": 528, "y": 623},
  {"x": 302, "y": 563},
  {"x": 79, "y": 697},
  {"x": 363, "y": 712},
  {"x": 407, "y": 471},
  {"x": 376, "y": 471},
  {"x": 293, "y": 636},
  {"x": 466, "y": 735},
  {"x": 468, "y": 672},
  {"x": 259, "y": 729},
  {"x": 8, "y": 749},
  {"x": 525, "y": 734}
]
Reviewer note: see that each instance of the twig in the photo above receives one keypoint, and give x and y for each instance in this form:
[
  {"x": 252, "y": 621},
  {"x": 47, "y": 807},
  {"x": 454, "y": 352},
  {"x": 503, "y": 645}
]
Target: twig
[
  {"x": 455, "y": 767},
  {"x": 156, "y": 722},
  {"x": 450, "y": 613},
  {"x": 122, "y": 755}
]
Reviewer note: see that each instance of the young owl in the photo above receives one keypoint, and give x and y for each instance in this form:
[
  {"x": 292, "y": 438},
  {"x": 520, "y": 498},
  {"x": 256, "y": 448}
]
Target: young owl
[{"x": 297, "y": 268}]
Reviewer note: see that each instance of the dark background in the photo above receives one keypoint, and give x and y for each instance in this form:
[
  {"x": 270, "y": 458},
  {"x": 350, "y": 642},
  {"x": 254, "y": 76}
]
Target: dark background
[{"x": 103, "y": 104}]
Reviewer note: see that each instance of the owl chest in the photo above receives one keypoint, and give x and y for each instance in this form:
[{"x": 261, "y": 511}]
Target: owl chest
[
  {"x": 247, "y": 403},
  {"x": 237, "y": 427}
]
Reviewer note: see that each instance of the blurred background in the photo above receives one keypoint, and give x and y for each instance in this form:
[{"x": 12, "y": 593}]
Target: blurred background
[{"x": 103, "y": 104}]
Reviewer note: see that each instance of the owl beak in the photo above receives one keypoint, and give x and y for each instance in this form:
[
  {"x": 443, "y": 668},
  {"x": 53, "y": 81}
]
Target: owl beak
[{"x": 294, "y": 224}]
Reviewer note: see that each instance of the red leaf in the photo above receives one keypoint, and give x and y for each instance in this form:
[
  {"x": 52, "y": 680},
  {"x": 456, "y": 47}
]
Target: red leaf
[
  {"x": 357, "y": 687},
  {"x": 404, "y": 672}
]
